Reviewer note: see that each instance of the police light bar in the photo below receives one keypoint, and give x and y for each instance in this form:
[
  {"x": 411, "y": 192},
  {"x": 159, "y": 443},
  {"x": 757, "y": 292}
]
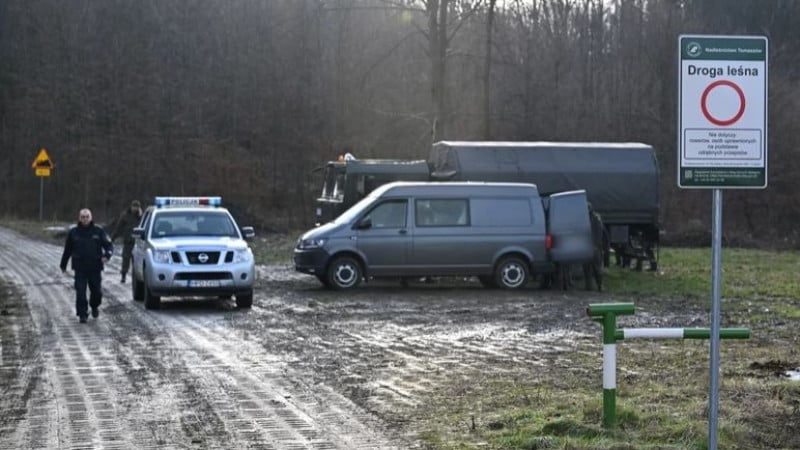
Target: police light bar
[{"x": 188, "y": 201}]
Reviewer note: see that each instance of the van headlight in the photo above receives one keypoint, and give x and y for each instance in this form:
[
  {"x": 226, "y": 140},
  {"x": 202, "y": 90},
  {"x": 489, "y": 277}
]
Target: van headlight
[
  {"x": 240, "y": 256},
  {"x": 162, "y": 256},
  {"x": 308, "y": 244}
]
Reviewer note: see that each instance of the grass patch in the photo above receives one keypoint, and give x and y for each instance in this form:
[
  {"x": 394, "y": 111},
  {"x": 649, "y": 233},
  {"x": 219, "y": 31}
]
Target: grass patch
[{"x": 686, "y": 272}]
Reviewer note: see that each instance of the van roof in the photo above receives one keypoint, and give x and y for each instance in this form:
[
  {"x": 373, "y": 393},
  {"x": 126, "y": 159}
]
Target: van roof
[{"x": 452, "y": 188}]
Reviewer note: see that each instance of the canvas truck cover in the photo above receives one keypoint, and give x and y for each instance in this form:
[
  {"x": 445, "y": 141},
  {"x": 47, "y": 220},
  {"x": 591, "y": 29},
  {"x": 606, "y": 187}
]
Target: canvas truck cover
[{"x": 621, "y": 179}]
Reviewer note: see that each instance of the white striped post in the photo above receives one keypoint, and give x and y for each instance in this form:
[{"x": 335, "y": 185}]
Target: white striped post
[{"x": 606, "y": 314}]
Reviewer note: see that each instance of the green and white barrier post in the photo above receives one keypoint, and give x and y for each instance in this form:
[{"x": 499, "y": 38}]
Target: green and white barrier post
[{"x": 606, "y": 314}]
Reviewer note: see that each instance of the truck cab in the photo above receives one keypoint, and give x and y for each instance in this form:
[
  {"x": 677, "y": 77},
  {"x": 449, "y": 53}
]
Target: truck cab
[{"x": 346, "y": 181}]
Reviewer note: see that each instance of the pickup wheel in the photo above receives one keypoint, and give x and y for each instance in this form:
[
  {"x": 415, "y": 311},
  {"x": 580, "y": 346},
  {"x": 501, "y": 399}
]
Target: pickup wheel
[
  {"x": 138, "y": 288},
  {"x": 511, "y": 273},
  {"x": 244, "y": 300},
  {"x": 344, "y": 272},
  {"x": 151, "y": 301}
]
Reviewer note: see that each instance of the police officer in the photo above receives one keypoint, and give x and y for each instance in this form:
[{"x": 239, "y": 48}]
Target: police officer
[
  {"x": 594, "y": 269},
  {"x": 125, "y": 224},
  {"x": 89, "y": 247}
]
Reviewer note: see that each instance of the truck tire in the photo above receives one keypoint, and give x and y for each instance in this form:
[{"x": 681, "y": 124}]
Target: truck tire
[
  {"x": 244, "y": 300},
  {"x": 344, "y": 272},
  {"x": 151, "y": 301},
  {"x": 138, "y": 289},
  {"x": 511, "y": 273}
]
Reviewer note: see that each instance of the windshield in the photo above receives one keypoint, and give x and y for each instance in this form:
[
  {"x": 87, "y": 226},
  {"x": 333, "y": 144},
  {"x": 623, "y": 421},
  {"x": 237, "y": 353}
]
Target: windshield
[
  {"x": 193, "y": 223},
  {"x": 333, "y": 184},
  {"x": 355, "y": 210}
]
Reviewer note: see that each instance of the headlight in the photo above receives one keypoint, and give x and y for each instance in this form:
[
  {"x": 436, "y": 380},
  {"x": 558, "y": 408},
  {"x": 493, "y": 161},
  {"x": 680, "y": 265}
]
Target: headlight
[
  {"x": 306, "y": 244},
  {"x": 240, "y": 256},
  {"x": 162, "y": 256}
]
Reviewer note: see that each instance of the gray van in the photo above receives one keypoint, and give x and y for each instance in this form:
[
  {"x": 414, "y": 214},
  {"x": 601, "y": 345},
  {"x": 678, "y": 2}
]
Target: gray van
[{"x": 499, "y": 232}]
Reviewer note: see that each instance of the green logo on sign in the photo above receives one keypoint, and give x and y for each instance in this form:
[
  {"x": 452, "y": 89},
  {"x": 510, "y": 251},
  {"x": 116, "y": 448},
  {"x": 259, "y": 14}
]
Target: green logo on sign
[{"x": 693, "y": 49}]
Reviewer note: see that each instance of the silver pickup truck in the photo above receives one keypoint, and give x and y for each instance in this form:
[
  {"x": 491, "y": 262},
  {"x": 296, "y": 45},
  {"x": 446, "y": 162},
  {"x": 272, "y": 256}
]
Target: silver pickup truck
[{"x": 191, "y": 246}]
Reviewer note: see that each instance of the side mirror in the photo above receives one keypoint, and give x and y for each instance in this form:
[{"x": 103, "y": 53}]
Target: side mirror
[
  {"x": 248, "y": 232},
  {"x": 138, "y": 233},
  {"x": 364, "y": 223}
]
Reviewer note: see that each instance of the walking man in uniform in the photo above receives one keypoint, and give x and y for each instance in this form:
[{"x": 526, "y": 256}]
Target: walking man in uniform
[
  {"x": 90, "y": 248},
  {"x": 125, "y": 224}
]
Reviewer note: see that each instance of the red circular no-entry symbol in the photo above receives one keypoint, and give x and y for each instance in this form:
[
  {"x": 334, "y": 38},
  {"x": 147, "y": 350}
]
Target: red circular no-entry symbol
[{"x": 717, "y": 121}]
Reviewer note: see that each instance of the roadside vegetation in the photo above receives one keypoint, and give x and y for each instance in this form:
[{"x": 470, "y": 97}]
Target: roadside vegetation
[{"x": 662, "y": 385}]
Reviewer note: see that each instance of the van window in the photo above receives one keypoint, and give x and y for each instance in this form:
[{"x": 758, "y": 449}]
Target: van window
[
  {"x": 514, "y": 212},
  {"x": 391, "y": 214},
  {"x": 442, "y": 212}
]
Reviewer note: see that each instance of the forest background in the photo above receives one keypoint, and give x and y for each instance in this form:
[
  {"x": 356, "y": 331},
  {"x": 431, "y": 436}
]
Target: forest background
[{"x": 245, "y": 98}]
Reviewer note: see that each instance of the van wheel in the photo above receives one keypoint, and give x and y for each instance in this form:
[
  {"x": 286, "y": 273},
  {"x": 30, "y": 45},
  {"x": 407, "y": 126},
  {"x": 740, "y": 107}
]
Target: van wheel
[
  {"x": 511, "y": 273},
  {"x": 324, "y": 280},
  {"x": 344, "y": 272},
  {"x": 487, "y": 281}
]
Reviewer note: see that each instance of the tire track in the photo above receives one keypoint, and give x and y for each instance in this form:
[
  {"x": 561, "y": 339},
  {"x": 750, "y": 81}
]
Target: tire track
[{"x": 390, "y": 355}]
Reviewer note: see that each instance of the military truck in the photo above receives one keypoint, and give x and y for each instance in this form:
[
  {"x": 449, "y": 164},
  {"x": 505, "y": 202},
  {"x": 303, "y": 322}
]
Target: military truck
[{"x": 620, "y": 179}]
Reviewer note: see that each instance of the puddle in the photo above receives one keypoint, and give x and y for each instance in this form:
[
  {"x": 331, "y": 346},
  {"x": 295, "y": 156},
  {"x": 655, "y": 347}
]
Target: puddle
[{"x": 793, "y": 375}]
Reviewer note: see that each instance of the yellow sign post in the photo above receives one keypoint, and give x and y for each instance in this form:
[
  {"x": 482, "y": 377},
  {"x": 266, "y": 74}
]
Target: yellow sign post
[{"x": 42, "y": 166}]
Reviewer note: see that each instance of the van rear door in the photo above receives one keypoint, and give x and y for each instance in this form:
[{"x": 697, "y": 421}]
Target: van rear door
[{"x": 569, "y": 228}]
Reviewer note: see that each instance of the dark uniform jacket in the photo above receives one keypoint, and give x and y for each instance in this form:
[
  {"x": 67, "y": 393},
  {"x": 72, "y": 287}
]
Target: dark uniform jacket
[
  {"x": 86, "y": 246},
  {"x": 125, "y": 224},
  {"x": 597, "y": 230}
]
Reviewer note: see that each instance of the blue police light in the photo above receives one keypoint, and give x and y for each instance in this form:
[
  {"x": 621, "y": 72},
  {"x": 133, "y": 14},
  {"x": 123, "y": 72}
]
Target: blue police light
[{"x": 188, "y": 201}]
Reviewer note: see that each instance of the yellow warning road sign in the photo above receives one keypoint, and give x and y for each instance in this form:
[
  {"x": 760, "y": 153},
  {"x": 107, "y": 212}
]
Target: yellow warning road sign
[
  {"x": 42, "y": 172},
  {"x": 43, "y": 161}
]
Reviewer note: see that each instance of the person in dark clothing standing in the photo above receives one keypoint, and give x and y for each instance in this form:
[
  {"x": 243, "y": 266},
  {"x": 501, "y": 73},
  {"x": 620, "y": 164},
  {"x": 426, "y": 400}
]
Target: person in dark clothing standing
[
  {"x": 124, "y": 226},
  {"x": 593, "y": 270},
  {"x": 90, "y": 248}
]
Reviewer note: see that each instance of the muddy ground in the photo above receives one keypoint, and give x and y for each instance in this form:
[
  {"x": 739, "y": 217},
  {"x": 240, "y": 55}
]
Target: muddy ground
[{"x": 304, "y": 368}]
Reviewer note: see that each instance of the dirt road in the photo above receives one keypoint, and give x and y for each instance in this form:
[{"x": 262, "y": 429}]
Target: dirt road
[{"x": 304, "y": 368}]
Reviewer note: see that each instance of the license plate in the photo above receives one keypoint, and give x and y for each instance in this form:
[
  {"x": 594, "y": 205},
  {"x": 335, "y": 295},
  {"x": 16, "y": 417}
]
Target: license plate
[{"x": 203, "y": 283}]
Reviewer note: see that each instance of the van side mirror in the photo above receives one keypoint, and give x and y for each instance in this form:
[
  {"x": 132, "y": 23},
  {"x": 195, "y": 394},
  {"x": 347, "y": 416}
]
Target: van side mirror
[
  {"x": 138, "y": 233},
  {"x": 364, "y": 223},
  {"x": 248, "y": 232}
]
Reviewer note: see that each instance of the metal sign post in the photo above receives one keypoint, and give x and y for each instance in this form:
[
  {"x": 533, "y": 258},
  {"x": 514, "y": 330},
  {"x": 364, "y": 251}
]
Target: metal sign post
[
  {"x": 722, "y": 144},
  {"x": 42, "y": 166}
]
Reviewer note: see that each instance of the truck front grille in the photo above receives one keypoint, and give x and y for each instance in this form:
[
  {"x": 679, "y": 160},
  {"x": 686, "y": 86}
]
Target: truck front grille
[{"x": 194, "y": 257}]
